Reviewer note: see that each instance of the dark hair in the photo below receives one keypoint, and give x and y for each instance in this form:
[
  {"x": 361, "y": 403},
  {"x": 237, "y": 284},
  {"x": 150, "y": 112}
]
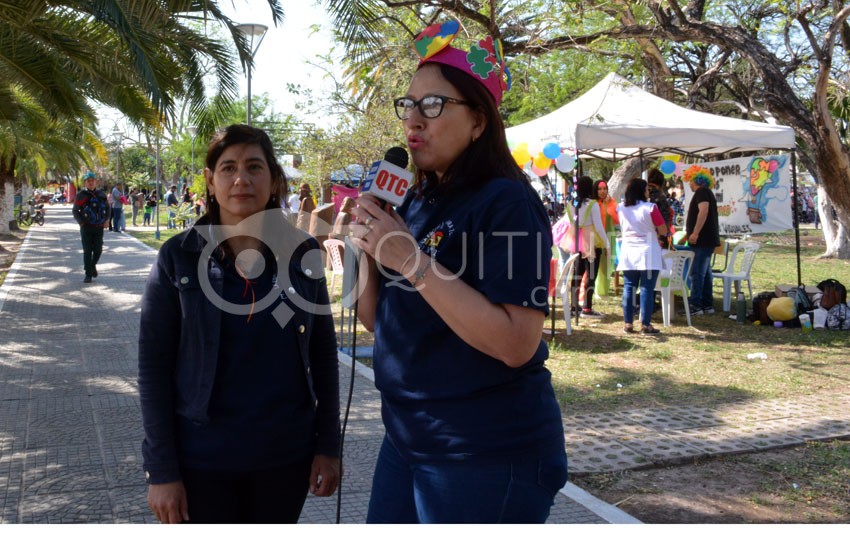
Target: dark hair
[
  {"x": 635, "y": 191},
  {"x": 584, "y": 189},
  {"x": 244, "y": 135},
  {"x": 486, "y": 158},
  {"x": 656, "y": 177}
]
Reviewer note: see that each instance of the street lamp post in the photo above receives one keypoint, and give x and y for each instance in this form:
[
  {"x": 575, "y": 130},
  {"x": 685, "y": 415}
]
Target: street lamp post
[
  {"x": 158, "y": 198},
  {"x": 252, "y": 31},
  {"x": 119, "y": 137},
  {"x": 193, "y": 131}
]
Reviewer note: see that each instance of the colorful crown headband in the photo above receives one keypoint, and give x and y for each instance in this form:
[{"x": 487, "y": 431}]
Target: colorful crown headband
[
  {"x": 484, "y": 61},
  {"x": 700, "y": 176}
]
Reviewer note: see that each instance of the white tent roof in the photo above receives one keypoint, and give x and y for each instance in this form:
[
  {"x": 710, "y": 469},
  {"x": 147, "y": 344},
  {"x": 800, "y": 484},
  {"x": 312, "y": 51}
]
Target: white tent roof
[{"x": 616, "y": 119}]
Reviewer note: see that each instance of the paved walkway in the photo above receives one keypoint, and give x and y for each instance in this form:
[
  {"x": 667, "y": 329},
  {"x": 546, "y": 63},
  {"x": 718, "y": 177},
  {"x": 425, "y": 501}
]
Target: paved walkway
[{"x": 70, "y": 424}]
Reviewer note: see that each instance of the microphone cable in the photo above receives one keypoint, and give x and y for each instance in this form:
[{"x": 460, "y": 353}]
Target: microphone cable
[{"x": 352, "y": 323}]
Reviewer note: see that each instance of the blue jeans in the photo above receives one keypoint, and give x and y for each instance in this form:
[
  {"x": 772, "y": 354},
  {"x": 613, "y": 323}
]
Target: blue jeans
[
  {"x": 516, "y": 489},
  {"x": 701, "y": 284},
  {"x": 645, "y": 280}
]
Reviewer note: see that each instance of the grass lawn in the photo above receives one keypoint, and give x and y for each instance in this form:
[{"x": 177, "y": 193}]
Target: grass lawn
[{"x": 599, "y": 368}]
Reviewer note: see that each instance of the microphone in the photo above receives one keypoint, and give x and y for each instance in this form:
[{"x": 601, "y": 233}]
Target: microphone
[{"x": 387, "y": 179}]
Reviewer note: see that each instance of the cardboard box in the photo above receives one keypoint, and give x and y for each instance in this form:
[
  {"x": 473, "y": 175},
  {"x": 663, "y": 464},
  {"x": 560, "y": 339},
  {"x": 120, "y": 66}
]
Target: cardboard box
[{"x": 782, "y": 290}]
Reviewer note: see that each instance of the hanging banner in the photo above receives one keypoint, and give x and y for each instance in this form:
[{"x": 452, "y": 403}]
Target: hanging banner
[{"x": 753, "y": 194}]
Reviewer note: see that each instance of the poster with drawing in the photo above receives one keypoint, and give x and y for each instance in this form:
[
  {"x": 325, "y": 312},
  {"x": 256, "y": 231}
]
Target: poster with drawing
[{"x": 753, "y": 194}]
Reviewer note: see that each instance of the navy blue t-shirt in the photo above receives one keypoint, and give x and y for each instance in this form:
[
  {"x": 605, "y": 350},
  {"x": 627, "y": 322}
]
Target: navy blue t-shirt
[
  {"x": 261, "y": 414},
  {"x": 441, "y": 398}
]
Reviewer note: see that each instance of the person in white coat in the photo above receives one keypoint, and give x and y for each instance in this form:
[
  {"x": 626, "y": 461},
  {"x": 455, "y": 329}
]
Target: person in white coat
[{"x": 641, "y": 223}]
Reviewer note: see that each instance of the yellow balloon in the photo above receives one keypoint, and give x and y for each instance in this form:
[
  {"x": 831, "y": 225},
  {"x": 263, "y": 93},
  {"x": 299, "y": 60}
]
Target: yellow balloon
[
  {"x": 542, "y": 162},
  {"x": 673, "y": 157},
  {"x": 521, "y": 156}
]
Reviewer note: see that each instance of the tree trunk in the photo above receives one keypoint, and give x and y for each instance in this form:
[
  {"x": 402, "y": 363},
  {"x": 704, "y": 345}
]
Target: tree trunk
[
  {"x": 620, "y": 178},
  {"x": 7, "y": 199}
]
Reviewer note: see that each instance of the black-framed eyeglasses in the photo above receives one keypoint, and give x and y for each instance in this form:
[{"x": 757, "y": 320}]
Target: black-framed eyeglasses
[{"x": 430, "y": 106}]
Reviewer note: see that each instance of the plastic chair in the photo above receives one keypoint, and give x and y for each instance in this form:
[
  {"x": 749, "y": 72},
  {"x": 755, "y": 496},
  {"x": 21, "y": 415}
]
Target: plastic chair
[
  {"x": 722, "y": 249},
  {"x": 732, "y": 275},
  {"x": 564, "y": 287},
  {"x": 673, "y": 279},
  {"x": 335, "y": 249}
]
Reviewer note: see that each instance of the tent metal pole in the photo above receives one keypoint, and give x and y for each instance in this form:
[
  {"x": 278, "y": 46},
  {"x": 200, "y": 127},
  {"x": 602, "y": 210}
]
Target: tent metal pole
[{"x": 794, "y": 212}]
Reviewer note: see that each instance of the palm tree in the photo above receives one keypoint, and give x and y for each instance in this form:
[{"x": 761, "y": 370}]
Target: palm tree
[{"x": 138, "y": 56}]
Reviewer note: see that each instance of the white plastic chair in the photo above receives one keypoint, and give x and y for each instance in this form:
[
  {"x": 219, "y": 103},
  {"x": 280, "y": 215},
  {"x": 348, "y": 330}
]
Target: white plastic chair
[
  {"x": 564, "y": 287},
  {"x": 734, "y": 275},
  {"x": 335, "y": 249},
  {"x": 674, "y": 279}
]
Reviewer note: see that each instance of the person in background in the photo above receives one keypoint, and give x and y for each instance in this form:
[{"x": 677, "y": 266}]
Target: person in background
[
  {"x": 91, "y": 212},
  {"x": 118, "y": 202},
  {"x": 473, "y": 428},
  {"x": 703, "y": 231},
  {"x": 240, "y": 403},
  {"x": 592, "y": 241},
  {"x": 150, "y": 204},
  {"x": 171, "y": 203},
  {"x": 657, "y": 196},
  {"x": 640, "y": 253},
  {"x": 611, "y": 222}
]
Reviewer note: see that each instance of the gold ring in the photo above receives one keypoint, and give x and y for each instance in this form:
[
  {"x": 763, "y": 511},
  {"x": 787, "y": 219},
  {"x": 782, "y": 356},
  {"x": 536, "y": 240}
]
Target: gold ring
[{"x": 367, "y": 221}]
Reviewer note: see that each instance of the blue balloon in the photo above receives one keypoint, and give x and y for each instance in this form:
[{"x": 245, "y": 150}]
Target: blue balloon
[
  {"x": 552, "y": 151},
  {"x": 667, "y": 167}
]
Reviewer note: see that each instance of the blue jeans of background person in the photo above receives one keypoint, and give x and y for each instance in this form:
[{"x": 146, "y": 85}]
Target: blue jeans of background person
[
  {"x": 645, "y": 280},
  {"x": 516, "y": 489},
  {"x": 701, "y": 284},
  {"x": 116, "y": 218},
  {"x": 171, "y": 223}
]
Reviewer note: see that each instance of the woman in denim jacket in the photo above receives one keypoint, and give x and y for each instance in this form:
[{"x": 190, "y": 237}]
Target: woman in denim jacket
[{"x": 238, "y": 371}]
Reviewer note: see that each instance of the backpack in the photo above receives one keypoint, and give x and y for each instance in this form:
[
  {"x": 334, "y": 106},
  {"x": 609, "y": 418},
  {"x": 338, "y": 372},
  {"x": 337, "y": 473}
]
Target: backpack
[
  {"x": 802, "y": 302},
  {"x": 760, "y": 303},
  {"x": 95, "y": 210},
  {"x": 838, "y": 317},
  {"x": 833, "y": 293}
]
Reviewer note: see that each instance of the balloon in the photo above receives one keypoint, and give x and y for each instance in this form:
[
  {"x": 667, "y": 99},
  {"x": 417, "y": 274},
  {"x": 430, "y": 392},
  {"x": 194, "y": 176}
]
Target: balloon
[
  {"x": 552, "y": 150},
  {"x": 537, "y": 171},
  {"x": 667, "y": 167},
  {"x": 542, "y": 162},
  {"x": 521, "y": 156},
  {"x": 674, "y": 157},
  {"x": 565, "y": 163}
]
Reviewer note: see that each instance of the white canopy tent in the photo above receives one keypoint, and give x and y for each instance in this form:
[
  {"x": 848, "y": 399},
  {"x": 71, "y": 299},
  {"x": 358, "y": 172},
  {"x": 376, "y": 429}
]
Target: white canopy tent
[{"x": 616, "y": 119}]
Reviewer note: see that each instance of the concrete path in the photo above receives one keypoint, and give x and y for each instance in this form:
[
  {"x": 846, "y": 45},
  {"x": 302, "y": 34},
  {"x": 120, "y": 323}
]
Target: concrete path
[{"x": 70, "y": 423}]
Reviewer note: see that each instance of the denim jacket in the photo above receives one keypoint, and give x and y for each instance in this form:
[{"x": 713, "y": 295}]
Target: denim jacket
[{"x": 179, "y": 342}]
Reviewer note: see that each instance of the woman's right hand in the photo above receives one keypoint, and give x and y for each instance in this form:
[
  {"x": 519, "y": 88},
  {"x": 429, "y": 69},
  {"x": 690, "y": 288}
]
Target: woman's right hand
[
  {"x": 168, "y": 502},
  {"x": 382, "y": 234}
]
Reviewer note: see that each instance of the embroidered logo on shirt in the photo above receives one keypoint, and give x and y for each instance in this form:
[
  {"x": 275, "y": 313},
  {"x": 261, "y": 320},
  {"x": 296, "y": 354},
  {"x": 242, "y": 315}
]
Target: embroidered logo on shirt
[{"x": 431, "y": 243}]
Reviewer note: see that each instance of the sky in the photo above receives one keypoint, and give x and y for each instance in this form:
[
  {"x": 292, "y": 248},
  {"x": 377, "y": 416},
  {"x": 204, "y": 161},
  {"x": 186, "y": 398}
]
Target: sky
[
  {"x": 285, "y": 51},
  {"x": 282, "y": 57}
]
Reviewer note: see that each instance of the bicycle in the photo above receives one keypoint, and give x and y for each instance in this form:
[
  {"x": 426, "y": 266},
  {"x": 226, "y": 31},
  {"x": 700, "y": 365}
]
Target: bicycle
[{"x": 24, "y": 218}]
